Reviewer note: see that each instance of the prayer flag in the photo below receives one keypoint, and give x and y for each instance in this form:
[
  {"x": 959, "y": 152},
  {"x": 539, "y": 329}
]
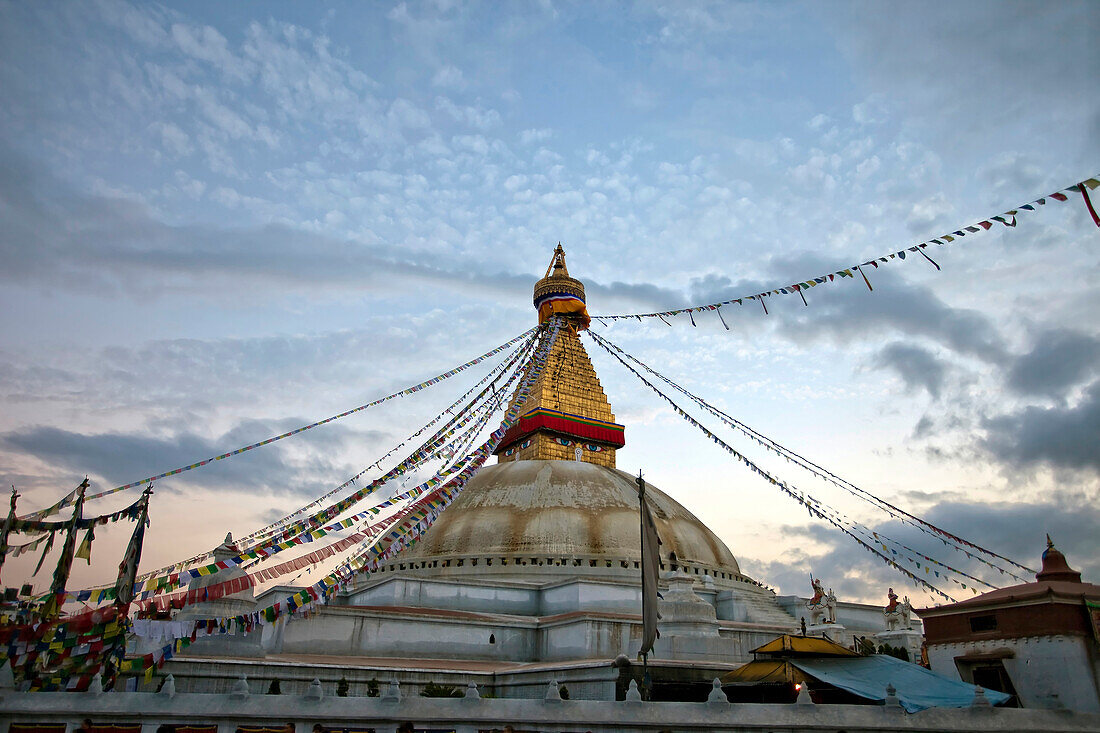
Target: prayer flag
[{"x": 651, "y": 564}]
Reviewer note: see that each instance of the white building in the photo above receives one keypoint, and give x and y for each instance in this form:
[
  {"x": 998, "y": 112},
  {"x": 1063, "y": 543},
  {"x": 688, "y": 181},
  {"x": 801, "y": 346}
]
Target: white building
[{"x": 1038, "y": 641}]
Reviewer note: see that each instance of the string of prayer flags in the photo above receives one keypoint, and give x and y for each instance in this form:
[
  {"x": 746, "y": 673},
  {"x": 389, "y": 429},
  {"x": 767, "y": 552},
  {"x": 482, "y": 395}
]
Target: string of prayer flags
[
  {"x": 1083, "y": 188},
  {"x": 457, "y": 419},
  {"x": 796, "y": 494},
  {"x": 1006, "y": 218},
  {"x": 63, "y": 502},
  {"x": 897, "y": 513},
  {"x": 17, "y": 550},
  {"x": 309, "y": 529},
  {"x": 908, "y": 553},
  {"x": 503, "y": 367},
  {"x": 401, "y": 393},
  {"x": 34, "y": 526},
  {"x": 264, "y": 534}
]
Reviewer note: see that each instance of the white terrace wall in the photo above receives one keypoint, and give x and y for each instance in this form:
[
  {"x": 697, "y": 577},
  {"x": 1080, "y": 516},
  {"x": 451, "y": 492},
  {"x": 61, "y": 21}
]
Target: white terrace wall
[{"x": 470, "y": 714}]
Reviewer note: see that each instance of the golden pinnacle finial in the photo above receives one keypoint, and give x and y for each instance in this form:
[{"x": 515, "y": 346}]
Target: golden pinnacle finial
[{"x": 557, "y": 262}]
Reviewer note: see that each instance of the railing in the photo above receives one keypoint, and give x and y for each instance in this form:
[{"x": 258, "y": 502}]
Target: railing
[{"x": 471, "y": 714}]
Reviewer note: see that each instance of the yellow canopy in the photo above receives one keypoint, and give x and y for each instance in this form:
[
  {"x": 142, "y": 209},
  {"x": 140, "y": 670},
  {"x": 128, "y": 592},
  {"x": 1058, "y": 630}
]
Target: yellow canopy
[
  {"x": 788, "y": 645},
  {"x": 764, "y": 670}
]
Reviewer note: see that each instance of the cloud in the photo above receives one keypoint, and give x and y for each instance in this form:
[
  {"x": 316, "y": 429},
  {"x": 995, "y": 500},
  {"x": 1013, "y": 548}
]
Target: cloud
[
  {"x": 173, "y": 138},
  {"x": 640, "y": 295},
  {"x": 145, "y": 25},
  {"x": 118, "y": 458},
  {"x": 1015, "y": 530},
  {"x": 535, "y": 135},
  {"x": 1059, "y": 437},
  {"x": 449, "y": 77},
  {"x": 929, "y": 214},
  {"x": 985, "y": 83},
  {"x": 842, "y": 311},
  {"x": 207, "y": 44},
  {"x": 918, "y": 367},
  {"x": 477, "y": 117},
  {"x": 54, "y": 234},
  {"x": 688, "y": 23},
  {"x": 1059, "y": 360}
]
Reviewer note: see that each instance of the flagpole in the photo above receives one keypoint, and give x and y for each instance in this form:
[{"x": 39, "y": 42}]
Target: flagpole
[
  {"x": 641, "y": 518},
  {"x": 124, "y": 588},
  {"x": 65, "y": 562},
  {"x": 651, "y": 567},
  {"x": 6, "y": 531}
]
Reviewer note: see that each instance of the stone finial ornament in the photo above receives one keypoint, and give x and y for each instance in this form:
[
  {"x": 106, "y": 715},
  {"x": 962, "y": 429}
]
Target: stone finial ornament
[
  {"x": 892, "y": 701},
  {"x": 240, "y": 688},
  {"x": 716, "y": 693},
  {"x": 804, "y": 695}
]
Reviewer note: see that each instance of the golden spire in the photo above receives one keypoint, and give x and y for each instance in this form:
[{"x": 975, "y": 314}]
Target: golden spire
[{"x": 566, "y": 416}]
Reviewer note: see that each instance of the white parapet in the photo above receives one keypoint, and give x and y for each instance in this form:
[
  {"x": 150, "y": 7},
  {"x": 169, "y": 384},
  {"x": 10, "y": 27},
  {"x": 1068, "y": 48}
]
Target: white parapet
[{"x": 228, "y": 711}]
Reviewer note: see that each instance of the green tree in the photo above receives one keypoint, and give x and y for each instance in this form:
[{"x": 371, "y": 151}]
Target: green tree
[
  {"x": 898, "y": 652},
  {"x": 433, "y": 690}
]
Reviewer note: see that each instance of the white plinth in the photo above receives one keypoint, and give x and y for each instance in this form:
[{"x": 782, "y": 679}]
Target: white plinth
[
  {"x": 908, "y": 639},
  {"x": 833, "y": 630}
]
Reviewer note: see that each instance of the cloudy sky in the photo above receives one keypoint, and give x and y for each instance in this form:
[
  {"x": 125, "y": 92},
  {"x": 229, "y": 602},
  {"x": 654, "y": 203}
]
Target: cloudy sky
[{"x": 219, "y": 222}]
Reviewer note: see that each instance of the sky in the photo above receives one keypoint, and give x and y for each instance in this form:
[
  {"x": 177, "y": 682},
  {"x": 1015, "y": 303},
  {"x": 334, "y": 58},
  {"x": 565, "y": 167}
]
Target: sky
[{"x": 219, "y": 222}]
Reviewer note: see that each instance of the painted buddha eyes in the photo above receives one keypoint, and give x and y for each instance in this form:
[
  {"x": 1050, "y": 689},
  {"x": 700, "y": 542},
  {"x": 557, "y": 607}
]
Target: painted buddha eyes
[{"x": 592, "y": 447}]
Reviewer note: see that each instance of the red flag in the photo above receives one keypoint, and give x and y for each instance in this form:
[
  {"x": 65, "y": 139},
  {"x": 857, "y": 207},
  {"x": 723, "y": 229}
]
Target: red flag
[{"x": 1088, "y": 204}]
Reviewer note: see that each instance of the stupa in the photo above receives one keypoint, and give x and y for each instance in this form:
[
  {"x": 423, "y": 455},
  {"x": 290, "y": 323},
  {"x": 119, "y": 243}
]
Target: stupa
[{"x": 532, "y": 574}]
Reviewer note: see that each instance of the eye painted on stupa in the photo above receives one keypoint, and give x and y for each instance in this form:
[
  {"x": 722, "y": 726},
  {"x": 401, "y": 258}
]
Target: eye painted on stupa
[
  {"x": 593, "y": 447},
  {"x": 563, "y": 441}
]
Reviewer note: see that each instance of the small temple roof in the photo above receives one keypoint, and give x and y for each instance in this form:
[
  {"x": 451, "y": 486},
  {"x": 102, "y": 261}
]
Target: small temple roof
[
  {"x": 1055, "y": 579},
  {"x": 1055, "y": 567},
  {"x": 789, "y": 646}
]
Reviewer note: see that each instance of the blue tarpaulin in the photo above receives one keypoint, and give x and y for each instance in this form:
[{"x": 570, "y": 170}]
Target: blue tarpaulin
[{"x": 917, "y": 688}]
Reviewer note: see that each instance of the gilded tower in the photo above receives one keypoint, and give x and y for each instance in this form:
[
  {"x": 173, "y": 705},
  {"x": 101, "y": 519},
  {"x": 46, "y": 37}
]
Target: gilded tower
[{"x": 567, "y": 416}]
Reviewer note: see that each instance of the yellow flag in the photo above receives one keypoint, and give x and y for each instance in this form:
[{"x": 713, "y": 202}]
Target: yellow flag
[{"x": 85, "y": 550}]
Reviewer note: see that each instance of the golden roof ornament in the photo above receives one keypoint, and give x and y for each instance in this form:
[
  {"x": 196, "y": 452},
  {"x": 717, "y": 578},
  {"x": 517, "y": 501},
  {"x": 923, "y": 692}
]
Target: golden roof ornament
[{"x": 557, "y": 293}]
